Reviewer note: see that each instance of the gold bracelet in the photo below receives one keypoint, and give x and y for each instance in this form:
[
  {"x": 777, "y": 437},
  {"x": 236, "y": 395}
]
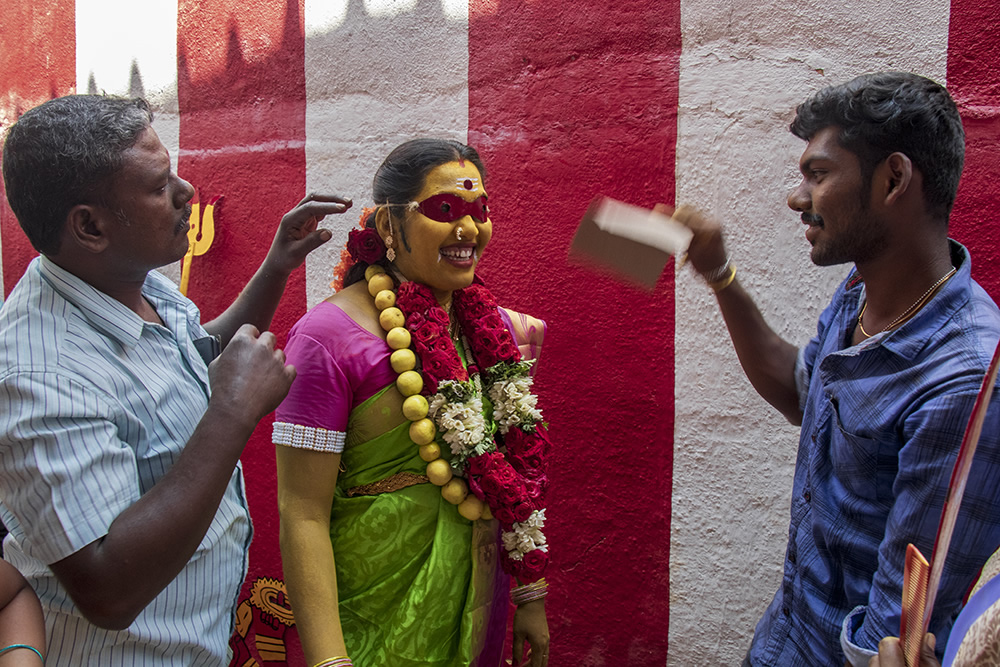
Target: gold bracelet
[
  {"x": 725, "y": 281},
  {"x": 529, "y": 592},
  {"x": 337, "y": 661}
]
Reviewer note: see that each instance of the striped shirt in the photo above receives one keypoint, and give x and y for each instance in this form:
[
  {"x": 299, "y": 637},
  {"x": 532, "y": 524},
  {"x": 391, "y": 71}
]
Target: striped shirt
[
  {"x": 95, "y": 407},
  {"x": 881, "y": 428}
]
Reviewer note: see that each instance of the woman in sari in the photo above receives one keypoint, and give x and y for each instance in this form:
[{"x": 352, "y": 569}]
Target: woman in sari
[{"x": 411, "y": 454}]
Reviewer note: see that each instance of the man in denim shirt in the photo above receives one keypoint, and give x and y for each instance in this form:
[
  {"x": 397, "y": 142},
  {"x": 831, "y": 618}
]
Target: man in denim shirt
[{"x": 884, "y": 390}]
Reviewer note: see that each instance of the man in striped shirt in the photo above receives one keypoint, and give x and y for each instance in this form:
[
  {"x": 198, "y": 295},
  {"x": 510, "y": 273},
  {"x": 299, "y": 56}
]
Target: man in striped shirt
[{"x": 119, "y": 445}]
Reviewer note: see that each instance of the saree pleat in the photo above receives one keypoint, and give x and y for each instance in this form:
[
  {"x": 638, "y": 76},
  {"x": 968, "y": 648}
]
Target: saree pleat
[{"x": 418, "y": 583}]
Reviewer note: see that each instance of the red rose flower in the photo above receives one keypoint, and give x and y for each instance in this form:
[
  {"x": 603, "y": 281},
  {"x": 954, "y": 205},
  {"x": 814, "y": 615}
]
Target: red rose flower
[
  {"x": 481, "y": 464},
  {"x": 481, "y": 296},
  {"x": 423, "y": 333},
  {"x": 487, "y": 348},
  {"x": 541, "y": 438},
  {"x": 438, "y": 367},
  {"x": 533, "y": 564},
  {"x": 505, "y": 516},
  {"x": 522, "y": 511},
  {"x": 508, "y": 352},
  {"x": 491, "y": 486},
  {"x": 517, "y": 441},
  {"x": 415, "y": 320},
  {"x": 364, "y": 245},
  {"x": 492, "y": 336},
  {"x": 438, "y": 316},
  {"x": 527, "y": 466},
  {"x": 529, "y": 449},
  {"x": 441, "y": 344},
  {"x": 534, "y": 489},
  {"x": 506, "y": 474},
  {"x": 511, "y": 494},
  {"x": 475, "y": 489},
  {"x": 529, "y": 568}
]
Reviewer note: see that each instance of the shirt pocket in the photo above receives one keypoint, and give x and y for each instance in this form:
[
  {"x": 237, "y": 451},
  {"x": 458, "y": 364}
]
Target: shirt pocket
[{"x": 865, "y": 465}]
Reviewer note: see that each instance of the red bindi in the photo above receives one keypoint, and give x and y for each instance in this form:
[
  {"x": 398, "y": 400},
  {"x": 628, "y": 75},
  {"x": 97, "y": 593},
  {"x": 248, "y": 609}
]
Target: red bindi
[{"x": 468, "y": 184}]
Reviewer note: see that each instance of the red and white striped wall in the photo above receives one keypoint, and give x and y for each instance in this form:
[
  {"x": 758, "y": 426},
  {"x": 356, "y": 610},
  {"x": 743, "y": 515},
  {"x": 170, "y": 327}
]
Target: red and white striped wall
[{"x": 671, "y": 478}]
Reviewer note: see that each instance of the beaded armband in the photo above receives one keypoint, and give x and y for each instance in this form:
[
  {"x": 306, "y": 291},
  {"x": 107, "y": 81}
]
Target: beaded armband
[{"x": 308, "y": 437}]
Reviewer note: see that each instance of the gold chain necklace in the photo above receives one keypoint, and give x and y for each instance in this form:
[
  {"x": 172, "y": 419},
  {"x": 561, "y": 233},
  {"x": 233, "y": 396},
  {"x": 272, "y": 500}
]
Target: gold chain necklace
[{"x": 909, "y": 312}]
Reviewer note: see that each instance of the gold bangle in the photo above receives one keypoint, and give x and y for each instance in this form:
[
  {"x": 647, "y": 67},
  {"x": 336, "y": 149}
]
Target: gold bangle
[
  {"x": 725, "y": 281},
  {"x": 337, "y": 661}
]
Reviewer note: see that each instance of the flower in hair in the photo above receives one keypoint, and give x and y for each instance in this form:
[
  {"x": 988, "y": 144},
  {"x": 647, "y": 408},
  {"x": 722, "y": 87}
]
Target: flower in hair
[
  {"x": 347, "y": 260},
  {"x": 365, "y": 245}
]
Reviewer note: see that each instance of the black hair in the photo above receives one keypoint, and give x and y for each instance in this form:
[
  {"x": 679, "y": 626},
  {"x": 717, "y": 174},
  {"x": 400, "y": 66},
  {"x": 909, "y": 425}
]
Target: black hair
[
  {"x": 401, "y": 176},
  {"x": 63, "y": 153},
  {"x": 879, "y": 114}
]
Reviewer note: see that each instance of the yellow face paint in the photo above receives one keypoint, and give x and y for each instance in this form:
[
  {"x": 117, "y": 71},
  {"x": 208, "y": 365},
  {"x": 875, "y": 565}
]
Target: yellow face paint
[{"x": 443, "y": 254}]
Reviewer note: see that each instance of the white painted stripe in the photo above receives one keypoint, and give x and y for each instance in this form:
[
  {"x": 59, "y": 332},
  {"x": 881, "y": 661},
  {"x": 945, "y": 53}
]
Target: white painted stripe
[
  {"x": 742, "y": 74},
  {"x": 374, "y": 80}
]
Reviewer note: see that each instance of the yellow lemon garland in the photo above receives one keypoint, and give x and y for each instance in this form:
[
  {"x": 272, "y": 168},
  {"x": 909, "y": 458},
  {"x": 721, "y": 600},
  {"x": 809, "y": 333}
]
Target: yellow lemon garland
[{"x": 409, "y": 382}]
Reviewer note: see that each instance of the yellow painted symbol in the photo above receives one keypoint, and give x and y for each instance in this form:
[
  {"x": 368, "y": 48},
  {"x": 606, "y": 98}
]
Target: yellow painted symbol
[{"x": 200, "y": 236}]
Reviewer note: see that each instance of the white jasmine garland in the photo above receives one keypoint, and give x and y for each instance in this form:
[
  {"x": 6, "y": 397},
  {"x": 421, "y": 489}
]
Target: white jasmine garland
[
  {"x": 462, "y": 424},
  {"x": 514, "y": 403},
  {"x": 457, "y": 410},
  {"x": 526, "y": 536}
]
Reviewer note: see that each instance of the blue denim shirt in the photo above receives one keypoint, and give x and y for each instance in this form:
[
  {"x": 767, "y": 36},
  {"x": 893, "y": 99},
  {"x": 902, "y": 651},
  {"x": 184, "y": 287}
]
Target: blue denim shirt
[{"x": 882, "y": 424}]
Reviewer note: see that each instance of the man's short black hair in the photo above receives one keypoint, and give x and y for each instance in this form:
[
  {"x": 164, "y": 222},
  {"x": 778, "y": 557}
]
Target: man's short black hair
[
  {"x": 888, "y": 112},
  {"x": 63, "y": 153}
]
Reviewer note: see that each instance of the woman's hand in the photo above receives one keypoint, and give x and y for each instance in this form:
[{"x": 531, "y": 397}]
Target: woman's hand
[
  {"x": 531, "y": 625},
  {"x": 890, "y": 653}
]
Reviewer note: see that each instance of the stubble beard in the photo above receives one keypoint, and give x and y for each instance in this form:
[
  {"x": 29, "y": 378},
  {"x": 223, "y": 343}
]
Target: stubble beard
[{"x": 861, "y": 241}]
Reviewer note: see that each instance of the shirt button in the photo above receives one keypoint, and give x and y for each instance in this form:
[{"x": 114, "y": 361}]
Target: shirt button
[
  {"x": 807, "y": 496},
  {"x": 786, "y": 611},
  {"x": 791, "y": 558}
]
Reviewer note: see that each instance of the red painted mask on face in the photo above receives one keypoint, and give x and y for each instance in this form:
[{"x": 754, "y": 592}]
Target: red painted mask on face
[{"x": 447, "y": 207}]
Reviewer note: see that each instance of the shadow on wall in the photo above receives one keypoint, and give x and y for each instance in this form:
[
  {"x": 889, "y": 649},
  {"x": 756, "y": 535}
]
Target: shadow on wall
[
  {"x": 387, "y": 50},
  {"x": 376, "y": 73}
]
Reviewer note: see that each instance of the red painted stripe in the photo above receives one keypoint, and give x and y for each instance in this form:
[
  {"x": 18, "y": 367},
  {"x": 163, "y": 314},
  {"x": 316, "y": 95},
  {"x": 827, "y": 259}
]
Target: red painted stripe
[
  {"x": 974, "y": 81},
  {"x": 568, "y": 101},
  {"x": 241, "y": 89},
  {"x": 37, "y": 63}
]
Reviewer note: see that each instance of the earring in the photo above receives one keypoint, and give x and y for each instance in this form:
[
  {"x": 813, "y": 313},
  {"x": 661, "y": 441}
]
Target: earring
[
  {"x": 390, "y": 254},
  {"x": 458, "y": 233}
]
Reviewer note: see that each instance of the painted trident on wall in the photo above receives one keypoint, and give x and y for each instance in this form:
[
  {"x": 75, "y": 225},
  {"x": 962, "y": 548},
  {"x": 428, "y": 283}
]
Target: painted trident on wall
[{"x": 201, "y": 233}]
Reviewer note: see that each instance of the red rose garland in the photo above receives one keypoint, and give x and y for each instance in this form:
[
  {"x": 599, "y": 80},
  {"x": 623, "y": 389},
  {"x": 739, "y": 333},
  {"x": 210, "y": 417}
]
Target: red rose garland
[{"x": 513, "y": 485}]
